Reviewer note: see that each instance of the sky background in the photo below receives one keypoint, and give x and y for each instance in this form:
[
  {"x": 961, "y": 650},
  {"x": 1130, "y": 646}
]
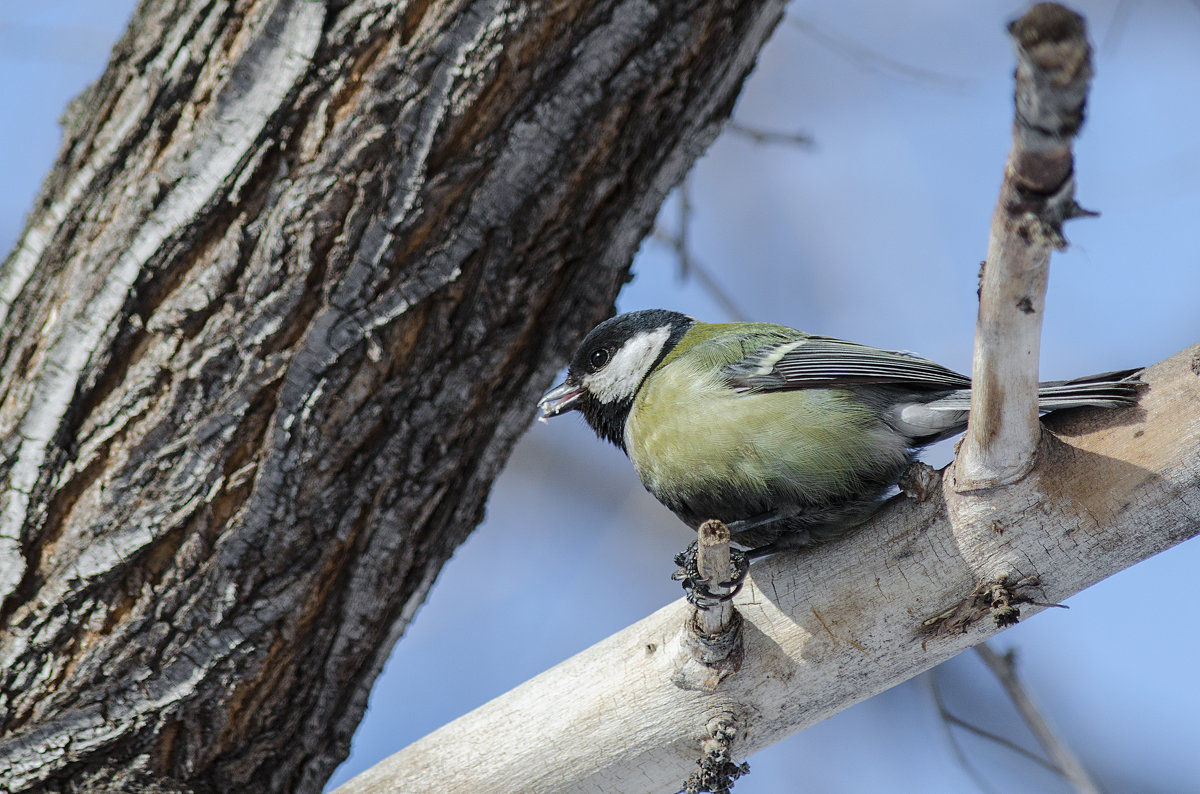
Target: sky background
[{"x": 873, "y": 234}]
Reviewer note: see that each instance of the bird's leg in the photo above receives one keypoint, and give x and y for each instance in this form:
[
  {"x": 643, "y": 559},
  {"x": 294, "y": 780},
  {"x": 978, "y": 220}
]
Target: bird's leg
[
  {"x": 696, "y": 587},
  {"x": 744, "y": 526},
  {"x": 753, "y": 522},
  {"x": 698, "y": 592}
]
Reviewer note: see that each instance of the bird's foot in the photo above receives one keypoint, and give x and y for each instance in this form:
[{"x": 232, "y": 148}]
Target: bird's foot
[{"x": 697, "y": 588}]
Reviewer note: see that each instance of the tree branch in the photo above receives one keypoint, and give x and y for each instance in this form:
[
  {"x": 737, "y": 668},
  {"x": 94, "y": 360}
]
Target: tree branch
[
  {"x": 1065, "y": 762},
  {"x": 826, "y": 629},
  {"x": 1038, "y": 194}
]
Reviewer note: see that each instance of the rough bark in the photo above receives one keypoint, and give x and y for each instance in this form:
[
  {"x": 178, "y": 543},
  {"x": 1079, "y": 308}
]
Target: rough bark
[{"x": 281, "y": 309}]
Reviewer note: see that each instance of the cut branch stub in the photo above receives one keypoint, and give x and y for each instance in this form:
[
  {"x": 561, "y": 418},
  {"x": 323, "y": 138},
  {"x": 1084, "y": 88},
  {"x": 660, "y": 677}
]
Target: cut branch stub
[
  {"x": 712, "y": 645},
  {"x": 1054, "y": 69},
  {"x": 713, "y": 562}
]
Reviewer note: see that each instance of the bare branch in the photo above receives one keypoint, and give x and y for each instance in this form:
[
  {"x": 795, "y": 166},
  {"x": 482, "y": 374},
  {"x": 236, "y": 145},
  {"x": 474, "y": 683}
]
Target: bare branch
[
  {"x": 829, "y": 628},
  {"x": 1038, "y": 194},
  {"x": 949, "y": 722},
  {"x": 1065, "y": 762},
  {"x": 689, "y": 266},
  {"x": 797, "y": 139},
  {"x": 839, "y": 42}
]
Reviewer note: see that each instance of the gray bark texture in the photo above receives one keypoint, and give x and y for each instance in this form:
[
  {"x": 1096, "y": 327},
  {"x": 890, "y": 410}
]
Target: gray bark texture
[{"x": 280, "y": 311}]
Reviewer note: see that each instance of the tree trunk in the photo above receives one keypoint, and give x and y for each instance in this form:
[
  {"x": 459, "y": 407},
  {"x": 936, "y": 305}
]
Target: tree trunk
[{"x": 282, "y": 308}]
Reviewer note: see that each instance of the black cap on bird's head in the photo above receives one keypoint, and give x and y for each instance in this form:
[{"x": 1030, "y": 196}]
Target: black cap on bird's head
[{"x": 609, "y": 366}]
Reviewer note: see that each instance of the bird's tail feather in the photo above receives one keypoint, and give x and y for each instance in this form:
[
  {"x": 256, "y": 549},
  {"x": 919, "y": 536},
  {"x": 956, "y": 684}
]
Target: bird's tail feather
[{"x": 1105, "y": 390}]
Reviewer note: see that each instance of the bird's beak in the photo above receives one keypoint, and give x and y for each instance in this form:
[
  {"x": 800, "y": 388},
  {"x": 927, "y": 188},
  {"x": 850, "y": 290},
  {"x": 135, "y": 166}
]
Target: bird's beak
[{"x": 559, "y": 399}]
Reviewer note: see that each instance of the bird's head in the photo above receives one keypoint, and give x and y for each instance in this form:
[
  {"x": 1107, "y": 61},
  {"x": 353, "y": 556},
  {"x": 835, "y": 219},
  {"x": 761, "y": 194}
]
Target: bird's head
[{"x": 610, "y": 365}]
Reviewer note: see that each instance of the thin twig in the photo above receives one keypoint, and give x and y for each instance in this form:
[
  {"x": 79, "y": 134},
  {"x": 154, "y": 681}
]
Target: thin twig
[
  {"x": 689, "y": 266},
  {"x": 948, "y": 722},
  {"x": 847, "y": 46},
  {"x": 1116, "y": 26},
  {"x": 1004, "y": 668},
  {"x": 710, "y": 285},
  {"x": 682, "y": 247},
  {"x": 801, "y": 139},
  {"x": 952, "y": 719}
]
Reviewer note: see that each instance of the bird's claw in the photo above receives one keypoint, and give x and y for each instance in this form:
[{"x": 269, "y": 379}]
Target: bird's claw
[{"x": 697, "y": 588}]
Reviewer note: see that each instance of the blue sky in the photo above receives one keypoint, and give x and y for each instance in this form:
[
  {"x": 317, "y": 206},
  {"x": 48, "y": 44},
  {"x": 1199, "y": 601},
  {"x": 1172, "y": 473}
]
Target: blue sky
[{"x": 873, "y": 234}]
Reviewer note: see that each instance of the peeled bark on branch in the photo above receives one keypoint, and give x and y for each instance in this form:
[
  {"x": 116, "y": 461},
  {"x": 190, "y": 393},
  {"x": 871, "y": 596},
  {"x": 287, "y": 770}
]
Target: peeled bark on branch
[{"x": 283, "y": 306}]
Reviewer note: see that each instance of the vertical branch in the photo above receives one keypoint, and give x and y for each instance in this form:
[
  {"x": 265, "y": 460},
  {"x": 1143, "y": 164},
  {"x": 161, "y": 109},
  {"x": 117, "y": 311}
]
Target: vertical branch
[
  {"x": 712, "y": 643},
  {"x": 713, "y": 561},
  {"x": 1038, "y": 194}
]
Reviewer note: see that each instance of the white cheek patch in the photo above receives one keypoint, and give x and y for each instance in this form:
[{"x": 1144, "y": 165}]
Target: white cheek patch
[{"x": 620, "y": 379}]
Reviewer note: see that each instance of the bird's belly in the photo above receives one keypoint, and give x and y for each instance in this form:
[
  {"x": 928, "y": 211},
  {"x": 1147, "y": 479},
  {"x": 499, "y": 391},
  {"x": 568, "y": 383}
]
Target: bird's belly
[{"x": 733, "y": 456}]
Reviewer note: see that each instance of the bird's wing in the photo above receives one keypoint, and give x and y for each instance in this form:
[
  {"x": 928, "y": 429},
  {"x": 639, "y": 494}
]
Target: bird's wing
[{"x": 821, "y": 362}]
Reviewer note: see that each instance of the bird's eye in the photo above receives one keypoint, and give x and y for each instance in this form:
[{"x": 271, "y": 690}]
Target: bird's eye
[{"x": 598, "y": 358}]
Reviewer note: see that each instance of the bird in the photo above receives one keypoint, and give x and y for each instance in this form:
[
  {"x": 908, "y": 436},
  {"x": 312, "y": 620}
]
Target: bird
[{"x": 791, "y": 439}]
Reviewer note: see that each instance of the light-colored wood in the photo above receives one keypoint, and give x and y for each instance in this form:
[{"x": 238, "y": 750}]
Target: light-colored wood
[
  {"x": 829, "y": 628},
  {"x": 712, "y": 645},
  {"x": 712, "y": 559},
  {"x": 1037, "y": 195}
]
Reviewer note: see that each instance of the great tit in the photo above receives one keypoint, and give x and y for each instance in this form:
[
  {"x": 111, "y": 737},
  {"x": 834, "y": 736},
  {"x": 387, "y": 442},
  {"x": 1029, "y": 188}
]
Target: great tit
[{"x": 788, "y": 438}]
